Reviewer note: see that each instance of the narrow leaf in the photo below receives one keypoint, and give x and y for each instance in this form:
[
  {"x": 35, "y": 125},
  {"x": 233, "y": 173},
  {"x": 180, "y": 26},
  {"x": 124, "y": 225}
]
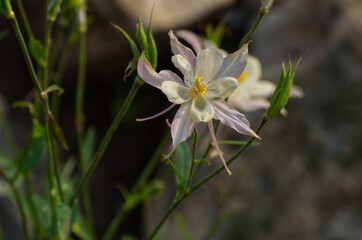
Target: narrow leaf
[
  {"x": 53, "y": 88},
  {"x": 37, "y": 51},
  {"x": 63, "y": 220},
  {"x": 57, "y": 131},
  {"x": 181, "y": 226},
  {"x": 151, "y": 43},
  {"x": 24, "y": 104},
  {"x": 88, "y": 145},
  {"x": 183, "y": 160},
  {"x": 134, "y": 48}
]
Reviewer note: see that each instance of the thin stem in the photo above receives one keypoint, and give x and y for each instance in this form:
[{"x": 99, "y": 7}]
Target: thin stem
[
  {"x": 9, "y": 137},
  {"x": 152, "y": 163},
  {"x": 251, "y": 32},
  {"x": 177, "y": 201},
  {"x": 25, "y": 19},
  {"x": 99, "y": 153},
  {"x": 193, "y": 158},
  {"x": 18, "y": 201}
]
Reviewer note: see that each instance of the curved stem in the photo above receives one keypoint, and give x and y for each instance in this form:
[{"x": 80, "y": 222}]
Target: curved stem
[
  {"x": 102, "y": 147},
  {"x": 24, "y": 18},
  {"x": 204, "y": 180},
  {"x": 251, "y": 32}
]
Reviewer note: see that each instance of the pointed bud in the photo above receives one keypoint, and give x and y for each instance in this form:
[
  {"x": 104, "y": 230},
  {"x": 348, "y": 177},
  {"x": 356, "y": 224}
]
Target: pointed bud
[
  {"x": 5, "y": 8},
  {"x": 266, "y": 5},
  {"x": 281, "y": 94}
]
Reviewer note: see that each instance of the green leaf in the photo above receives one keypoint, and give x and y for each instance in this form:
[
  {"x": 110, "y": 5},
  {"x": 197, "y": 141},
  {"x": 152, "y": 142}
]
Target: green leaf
[
  {"x": 24, "y": 104},
  {"x": 142, "y": 38},
  {"x": 63, "y": 221},
  {"x": 53, "y": 88},
  {"x": 56, "y": 131},
  {"x": 31, "y": 154},
  {"x": 37, "y": 51},
  {"x": 88, "y": 145},
  {"x": 181, "y": 226},
  {"x": 152, "y": 49},
  {"x": 183, "y": 162},
  {"x": 44, "y": 214},
  {"x": 134, "y": 48},
  {"x": 80, "y": 228},
  {"x": 6, "y": 163}
]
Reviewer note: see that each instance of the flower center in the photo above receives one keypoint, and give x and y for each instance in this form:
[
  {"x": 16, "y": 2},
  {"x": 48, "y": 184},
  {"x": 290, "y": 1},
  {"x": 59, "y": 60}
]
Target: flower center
[
  {"x": 242, "y": 77},
  {"x": 199, "y": 88}
]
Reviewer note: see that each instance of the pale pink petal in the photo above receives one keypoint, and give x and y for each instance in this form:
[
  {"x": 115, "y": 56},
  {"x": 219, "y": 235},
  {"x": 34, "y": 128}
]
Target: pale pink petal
[
  {"x": 296, "y": 92},
  {"x": 201, "y": 110},
  {"x": 248, "y": 105},
  {"x": 182, "y": 125},
  {"x": 234, "y": 64},
  {"x": 182, "y": 64},
  {"x": 260, "y": 89},
  {"x": 175, "y": 92},
  {"x": 211, "y": 129},
  {"x": 179, "y": 48},
  {"x": 232, "y": 118},
  {"x": 171, "y": 76},
  {"x": 209, "y": 62},
  {"x": 221, "y": 88},
  {"x": 191, "y": 38}
]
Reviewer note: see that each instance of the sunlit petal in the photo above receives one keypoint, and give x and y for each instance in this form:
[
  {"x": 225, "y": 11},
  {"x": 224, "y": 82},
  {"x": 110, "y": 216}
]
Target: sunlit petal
[
  {"x": 232, "y": 118},
  {"x": 222, "y": 88},
  {"x": 182, "y": 64},
  {"x": 261, "y": 89},
  {"x": 191, "y": 38},
  {"x": 178, "y": 48},
  {"x": 182, "y": 125},
  {"x": 209, "y": 62},
  {"x": 201, "y": 110},
  {"x": 147, "y": 73},
  {"x": 234, "y": 64},
  {"x": 175, "y": 92}
]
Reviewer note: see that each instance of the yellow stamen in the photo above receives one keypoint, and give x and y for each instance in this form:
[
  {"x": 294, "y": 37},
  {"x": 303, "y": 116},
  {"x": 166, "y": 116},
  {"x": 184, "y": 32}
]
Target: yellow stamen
[
  {"x": 199, "y": 88},
  {"x": 242, "y": 77}
]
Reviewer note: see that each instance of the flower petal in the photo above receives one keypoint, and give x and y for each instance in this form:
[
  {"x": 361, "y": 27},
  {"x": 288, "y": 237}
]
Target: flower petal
[
  {"x": 209, "y": 62},
  {"x": 179, "y": 48},
  {"x": 182, "y": 64},
  {"x": 182, "y": 125},
  {"x": 191, "y": 38},
  {"x": 171, "y": 76},
  {"x": 232, "y": 118},
  {"x": 260, "y": 89},
  {"x": 296, "y": 92},
  {"x": 221, "y": 88},
  {"x": 147, "y": 73},
  {"x": 248, "y": 105},
  {"x": 175, "y": 92},
  {"x": 234, "y": 64},
  {"x": 252, "y": 70},
  {"x": 201, "y": 110}
]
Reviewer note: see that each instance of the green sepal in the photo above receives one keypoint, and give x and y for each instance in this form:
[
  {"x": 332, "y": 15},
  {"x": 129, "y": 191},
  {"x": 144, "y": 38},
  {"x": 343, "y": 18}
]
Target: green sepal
[
  {"x": 266, "y": 5},
  {"x": 152, "y": 49},
  {"x": 134, "y": 48},
  {"x": 281, "y": 94},
  {"x": 53, "y": 9},
  {"x": 141, "y": 37},
  {"x": 37, "y": 51},
  {"x": 216, "y": 34},
  {"x": 5, "y": 8}
]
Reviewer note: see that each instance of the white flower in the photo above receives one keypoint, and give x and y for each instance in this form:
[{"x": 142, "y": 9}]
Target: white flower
[{"x": 208, "y": 79}]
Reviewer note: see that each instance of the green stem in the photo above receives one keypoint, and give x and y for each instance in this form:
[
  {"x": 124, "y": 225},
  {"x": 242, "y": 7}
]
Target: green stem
[
  {"x": 25, "y": 19},
  {"x": 193, "y": 158},
  {"x": 177, "y": 201},
  {"x": 99, "y": 153},
  {"x": 9, "y": 137},
  {"x": 251, "y": 32},
  {"x": 18, "y": 201},
  {"x": 152, "y": 163}
]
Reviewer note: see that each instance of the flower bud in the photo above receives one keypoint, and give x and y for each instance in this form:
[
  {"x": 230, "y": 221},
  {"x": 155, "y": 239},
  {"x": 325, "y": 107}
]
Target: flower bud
[
  {"x": 281, "y": 94},
  {"x": 266, "y": 5},
  {"x": 5, "y": 8}
]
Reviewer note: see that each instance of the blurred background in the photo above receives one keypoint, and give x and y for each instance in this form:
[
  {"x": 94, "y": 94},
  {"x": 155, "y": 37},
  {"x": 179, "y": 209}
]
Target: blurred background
[{"x": 304, "y": 181}]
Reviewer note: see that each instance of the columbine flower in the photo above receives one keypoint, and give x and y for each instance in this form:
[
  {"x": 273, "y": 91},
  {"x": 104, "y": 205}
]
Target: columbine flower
[
  {"x": 208, "y": 79},
  {"x": 252, "y": 93}
]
